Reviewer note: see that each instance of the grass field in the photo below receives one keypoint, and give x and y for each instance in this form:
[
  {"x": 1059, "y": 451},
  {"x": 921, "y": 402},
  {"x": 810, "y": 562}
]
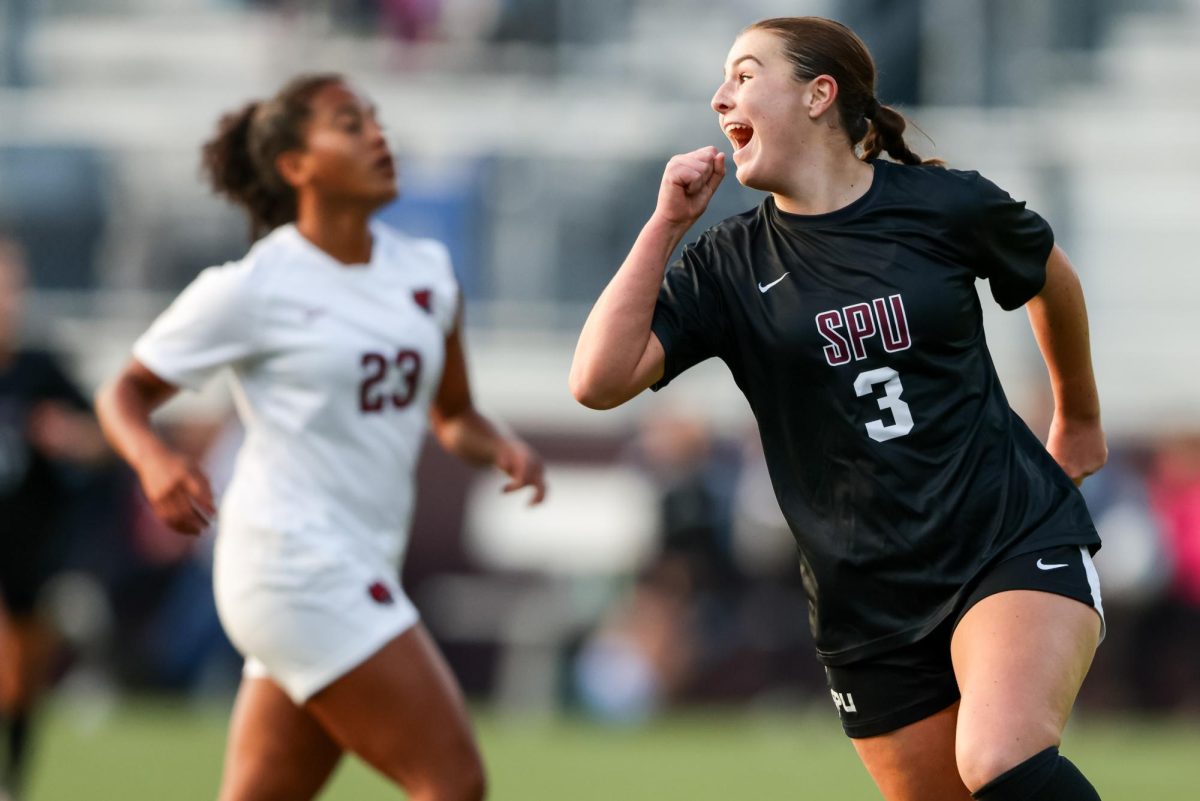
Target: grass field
[{"x": 155, "y": 750}]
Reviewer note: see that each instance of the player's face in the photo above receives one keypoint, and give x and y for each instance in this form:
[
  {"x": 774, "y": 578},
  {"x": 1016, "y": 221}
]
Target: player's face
[
  {"x": 12, "y": 296},
  {"x": 762, "y": 109},
  {"x": 346, "y": 156}
]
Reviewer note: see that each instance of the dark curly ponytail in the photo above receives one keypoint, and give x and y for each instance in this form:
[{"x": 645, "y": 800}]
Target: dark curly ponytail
[
  {"x": 239, "y": 161},
  {"x": 818, "y": 46}
]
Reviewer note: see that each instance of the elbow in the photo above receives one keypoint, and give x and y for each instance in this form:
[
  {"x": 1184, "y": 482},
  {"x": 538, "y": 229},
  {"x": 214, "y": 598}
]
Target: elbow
[
  {"x": 102, "y": 400},
  {"x": 593, "y": 396}
]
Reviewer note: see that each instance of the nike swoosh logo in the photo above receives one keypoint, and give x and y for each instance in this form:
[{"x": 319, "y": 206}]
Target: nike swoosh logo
[
  {"x": 1043, "y": 566},
  {"x": 764, "y": 287}
]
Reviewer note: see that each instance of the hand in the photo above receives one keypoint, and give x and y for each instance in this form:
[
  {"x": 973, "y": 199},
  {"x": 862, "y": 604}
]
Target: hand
[
  {"x": 60, "y": 432},
  {"x": 178, "y": 492},
  {"x": 523, "y": 466},
  {"x": 1078, "y": 446},
  {"x": 688, "y": 184}
]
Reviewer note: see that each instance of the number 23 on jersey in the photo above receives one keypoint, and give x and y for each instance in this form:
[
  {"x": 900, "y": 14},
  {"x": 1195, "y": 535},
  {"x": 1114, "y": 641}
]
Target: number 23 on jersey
[{"x": 388, "y": 381}]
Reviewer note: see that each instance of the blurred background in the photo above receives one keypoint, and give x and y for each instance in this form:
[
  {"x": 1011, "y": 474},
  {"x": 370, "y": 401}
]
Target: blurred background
[{"x": 643, "y": 635}]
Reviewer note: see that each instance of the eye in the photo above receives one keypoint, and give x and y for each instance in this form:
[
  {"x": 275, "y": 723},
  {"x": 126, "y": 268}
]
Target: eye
[{"x": 743, "y": 77}]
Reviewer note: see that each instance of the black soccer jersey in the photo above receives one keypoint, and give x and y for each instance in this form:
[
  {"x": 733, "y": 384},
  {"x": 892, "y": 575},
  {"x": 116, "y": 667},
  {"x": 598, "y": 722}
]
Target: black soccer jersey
[
  {"x": 30, "y": 488},
  {"x": 857, "y": 337}
]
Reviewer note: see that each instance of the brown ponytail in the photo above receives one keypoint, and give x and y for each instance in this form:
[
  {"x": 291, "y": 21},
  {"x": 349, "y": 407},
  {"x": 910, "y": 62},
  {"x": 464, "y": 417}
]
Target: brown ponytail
[
  {"x": 239, "y": 161},
  {"x": 886, "y": 134},
  {"x": 818, "y": 46}
]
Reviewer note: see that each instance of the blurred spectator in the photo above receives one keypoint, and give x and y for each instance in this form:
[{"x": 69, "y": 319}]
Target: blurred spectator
[
  {"x": 1134, "y": 568},
  {"x": 169, "y": 635},
  {"x": 678, "y": 616},
  {"x": 16, "y": 21},
  {"x": 410, "y": 20},
  {"x": 1168, "y": 644},
  {"x": 45, "y": 427}
]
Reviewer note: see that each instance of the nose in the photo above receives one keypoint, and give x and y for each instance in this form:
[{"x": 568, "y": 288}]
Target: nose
[
  {"x": 375, "y": 132},
  {"x": 722, "y": 101}
]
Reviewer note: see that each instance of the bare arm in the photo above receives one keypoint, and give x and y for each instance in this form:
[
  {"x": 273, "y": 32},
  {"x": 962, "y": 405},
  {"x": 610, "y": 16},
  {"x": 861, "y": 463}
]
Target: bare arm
[
  {"x": 62, "y": 432},
  {"x": 470, "y": 436},
  {"x": 1060, "y": 325},
  {"x": 176, "y": 488},
  {"x": 617, "y": 355}
]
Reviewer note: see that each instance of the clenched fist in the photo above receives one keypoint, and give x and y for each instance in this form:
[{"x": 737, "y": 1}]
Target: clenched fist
[{"x": 688, "y": 184}]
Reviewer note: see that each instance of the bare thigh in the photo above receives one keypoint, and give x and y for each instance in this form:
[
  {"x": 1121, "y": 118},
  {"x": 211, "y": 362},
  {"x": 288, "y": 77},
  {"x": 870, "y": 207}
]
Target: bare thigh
[
  {"x": 277, "y": 751},
  {"x": 916, "y": 763},
  {"x": 402, "y": 712},
  {"x": 27, "y": 645},
  {"x": 1019, "y": 657}
]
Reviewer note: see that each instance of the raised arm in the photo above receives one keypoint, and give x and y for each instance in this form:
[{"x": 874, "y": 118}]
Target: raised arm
[
  {"x": 470, "y": 436},
  {"x": 1060, "y": 325},
  {"x": 617, "y": 355},
  {"x": 177, "y": 490}
]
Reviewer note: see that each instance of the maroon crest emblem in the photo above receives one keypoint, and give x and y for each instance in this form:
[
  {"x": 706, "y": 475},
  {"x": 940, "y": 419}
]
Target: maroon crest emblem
[
  {"x": 380, "y": 594},
  {"x": 424, "y": 299}
]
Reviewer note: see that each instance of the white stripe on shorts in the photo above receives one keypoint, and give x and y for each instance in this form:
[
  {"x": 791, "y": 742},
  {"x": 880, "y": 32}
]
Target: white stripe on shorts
[{"x": 1093, "y": 578}]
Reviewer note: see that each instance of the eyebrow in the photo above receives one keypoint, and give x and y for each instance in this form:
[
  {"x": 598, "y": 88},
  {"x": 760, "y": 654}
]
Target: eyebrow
[
  {"x": 746, "y": 57},
  {"x": 355, "y": 110}
]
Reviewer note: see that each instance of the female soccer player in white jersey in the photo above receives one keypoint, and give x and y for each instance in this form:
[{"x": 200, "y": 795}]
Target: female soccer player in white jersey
[{"x": 344, "y": 339}]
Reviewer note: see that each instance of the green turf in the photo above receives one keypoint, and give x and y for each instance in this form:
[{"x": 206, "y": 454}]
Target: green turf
[{"x": 153, "y": 750}]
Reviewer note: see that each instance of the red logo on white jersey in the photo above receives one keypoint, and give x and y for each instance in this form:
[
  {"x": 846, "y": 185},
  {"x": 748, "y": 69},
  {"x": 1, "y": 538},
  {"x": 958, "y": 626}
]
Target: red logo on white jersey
[
  {"x": 380, "y": 594},
  {"x": 424, "y": 299}
]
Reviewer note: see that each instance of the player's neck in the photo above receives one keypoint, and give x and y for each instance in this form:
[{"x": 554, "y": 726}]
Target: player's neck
[
  {"x": 344, "y": 234},
  {"x": 824, "y": 184}
]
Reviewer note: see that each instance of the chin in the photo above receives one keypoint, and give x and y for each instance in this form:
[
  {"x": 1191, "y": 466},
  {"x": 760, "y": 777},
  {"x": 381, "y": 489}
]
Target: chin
[
  {"x": 386, "y": 196},
  {"x": 747, "y": 176}
]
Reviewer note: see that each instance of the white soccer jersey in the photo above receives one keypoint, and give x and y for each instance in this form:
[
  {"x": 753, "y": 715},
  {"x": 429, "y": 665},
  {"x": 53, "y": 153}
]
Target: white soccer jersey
[{"x": 334, "y": 368}]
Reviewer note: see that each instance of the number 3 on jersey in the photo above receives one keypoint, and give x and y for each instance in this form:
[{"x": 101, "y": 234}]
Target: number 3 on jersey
[
  {"x": 406, "y": 374},
  {"x": 902, "y": 417}
]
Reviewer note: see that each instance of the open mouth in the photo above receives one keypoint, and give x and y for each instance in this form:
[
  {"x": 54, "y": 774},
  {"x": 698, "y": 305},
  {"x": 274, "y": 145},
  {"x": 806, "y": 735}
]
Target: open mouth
[
  {"x": 385, "y": 165},
  {"x": 740, "y": 134}
]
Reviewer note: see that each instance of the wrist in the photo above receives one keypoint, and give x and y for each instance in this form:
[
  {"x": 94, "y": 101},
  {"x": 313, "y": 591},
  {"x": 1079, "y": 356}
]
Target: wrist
[
  {"x": 150, "y": 456},
  {"x": 673, "y": 229},
  {"x": 1078, "y": 417}
]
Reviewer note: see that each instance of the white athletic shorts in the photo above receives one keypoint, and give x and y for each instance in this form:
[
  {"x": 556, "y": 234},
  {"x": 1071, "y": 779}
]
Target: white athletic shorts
[{"x": 302, "y": 611}]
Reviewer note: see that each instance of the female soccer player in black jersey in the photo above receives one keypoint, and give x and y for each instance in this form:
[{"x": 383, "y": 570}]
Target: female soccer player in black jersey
[
  {"x": 45, "y": 425},
  {"x": 945, "y": 551}
]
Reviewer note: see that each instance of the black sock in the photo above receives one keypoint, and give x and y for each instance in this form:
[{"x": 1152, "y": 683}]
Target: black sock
[
  {"x": 1045, "y": 776},
  {"x": 15, "y": 749}
]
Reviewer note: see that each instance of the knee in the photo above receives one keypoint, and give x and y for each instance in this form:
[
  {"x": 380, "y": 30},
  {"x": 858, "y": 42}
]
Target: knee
[
  {"x": 465, "y": 780},
  {"x": 470, "y": 782},
  {"x": 982, "y": 759}
]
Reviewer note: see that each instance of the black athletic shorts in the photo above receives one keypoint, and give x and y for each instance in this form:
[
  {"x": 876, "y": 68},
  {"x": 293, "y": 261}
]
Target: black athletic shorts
[
  {"x": 886, "y": 692},
  {"x": 27, "y": 563}
]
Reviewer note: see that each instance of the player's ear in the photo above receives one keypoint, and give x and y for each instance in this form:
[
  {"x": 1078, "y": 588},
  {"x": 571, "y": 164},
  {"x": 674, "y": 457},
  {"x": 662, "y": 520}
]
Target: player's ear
[
  {"x": 293, "y": 167},
  {"x": 822, "y": 93}
]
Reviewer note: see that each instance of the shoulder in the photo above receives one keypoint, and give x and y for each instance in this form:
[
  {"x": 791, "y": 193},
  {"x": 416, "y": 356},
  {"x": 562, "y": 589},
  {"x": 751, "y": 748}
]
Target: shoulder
[
  {"x": 720, "y": 244},
  {"x": 416, "y": 255},
  {"x": 399, "y": 245},
  {"x": 267, "y": 260},
  {"x": 961, "y": 195},
  {"x": 932, "y": 180},
  {"x": 39, "y": 361}
]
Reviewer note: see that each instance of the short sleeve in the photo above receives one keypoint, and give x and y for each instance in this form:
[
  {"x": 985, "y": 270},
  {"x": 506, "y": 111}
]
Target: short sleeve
[
  {"x": 689, "y": 317},
  {"x": 209, "y": 326},
  {"x": 1010, "y": 245}
]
